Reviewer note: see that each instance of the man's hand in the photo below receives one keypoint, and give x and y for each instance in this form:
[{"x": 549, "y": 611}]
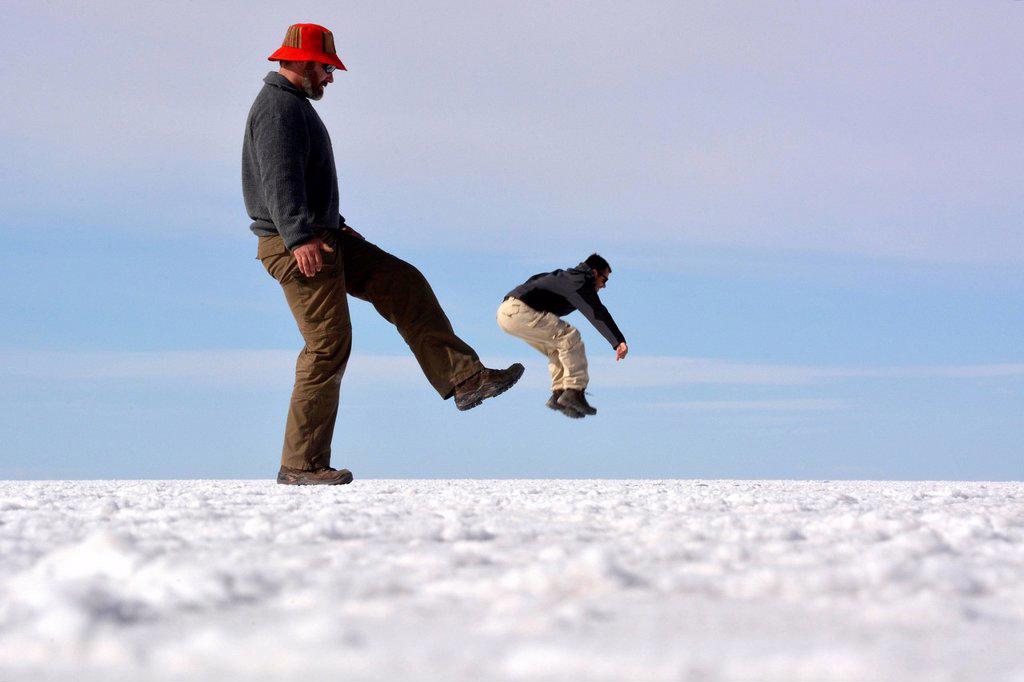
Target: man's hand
[
  {"x": 346, "y": 228},
  {"x": 620, "y": 351},
  {"x": 308, "y": 258}
]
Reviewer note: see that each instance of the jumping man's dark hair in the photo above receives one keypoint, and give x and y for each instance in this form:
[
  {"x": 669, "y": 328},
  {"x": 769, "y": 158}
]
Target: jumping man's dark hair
[{"x": 596, "y": 262}]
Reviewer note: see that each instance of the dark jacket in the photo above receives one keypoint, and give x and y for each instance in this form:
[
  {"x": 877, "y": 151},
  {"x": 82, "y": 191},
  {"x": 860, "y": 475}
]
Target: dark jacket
[
  {"x": 289, "y": 182},
  {"x": 563, "y": 291}
]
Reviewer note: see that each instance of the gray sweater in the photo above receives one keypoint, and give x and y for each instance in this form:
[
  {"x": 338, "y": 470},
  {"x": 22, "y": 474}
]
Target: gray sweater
[{"x": 289, "y": 181}]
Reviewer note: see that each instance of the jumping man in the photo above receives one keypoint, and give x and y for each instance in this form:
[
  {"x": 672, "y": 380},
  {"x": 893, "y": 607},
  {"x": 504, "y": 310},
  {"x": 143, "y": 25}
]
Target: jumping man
[{"x": 532, "y": 312}]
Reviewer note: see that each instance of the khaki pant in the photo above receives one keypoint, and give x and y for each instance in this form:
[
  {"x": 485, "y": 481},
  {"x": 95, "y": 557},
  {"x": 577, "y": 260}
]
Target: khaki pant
[
  {"x": 319, "y": 304},
  {"x": 552, "y": 336}
]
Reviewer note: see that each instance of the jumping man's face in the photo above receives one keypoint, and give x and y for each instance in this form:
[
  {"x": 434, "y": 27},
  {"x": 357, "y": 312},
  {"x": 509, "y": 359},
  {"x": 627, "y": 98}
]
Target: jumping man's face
[
  {"x": 314, "y": 79},
  {"x": 601, "y": 279}
]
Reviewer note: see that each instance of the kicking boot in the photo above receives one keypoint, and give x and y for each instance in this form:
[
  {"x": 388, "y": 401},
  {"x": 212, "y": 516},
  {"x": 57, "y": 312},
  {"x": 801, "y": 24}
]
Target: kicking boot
[
  {"x": 567, "y": 411},
  {"x": 485, "y": 384},
  {"x": 574, "y": 398},
  {"x": 324, "y": 476}
]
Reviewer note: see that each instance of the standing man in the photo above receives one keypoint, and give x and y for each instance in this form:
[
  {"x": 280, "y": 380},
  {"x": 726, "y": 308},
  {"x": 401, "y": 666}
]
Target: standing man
[
  {"x": 532, "y": 312},
  {"x": 290, "y": 188}
]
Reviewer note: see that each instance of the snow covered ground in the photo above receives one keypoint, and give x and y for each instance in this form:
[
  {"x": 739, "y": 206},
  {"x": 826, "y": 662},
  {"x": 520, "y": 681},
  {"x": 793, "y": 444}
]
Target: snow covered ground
[{"x": 674, "y": 580}]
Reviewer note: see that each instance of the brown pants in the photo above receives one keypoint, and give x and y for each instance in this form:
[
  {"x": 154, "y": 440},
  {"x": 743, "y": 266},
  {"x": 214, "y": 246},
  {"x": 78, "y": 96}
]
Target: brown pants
[{"x": 400, "y": 294}]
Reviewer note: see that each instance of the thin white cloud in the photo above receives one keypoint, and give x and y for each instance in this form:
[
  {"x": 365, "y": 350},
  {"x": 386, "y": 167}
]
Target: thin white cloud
[
  {"x": 271, "y": 367},
  {"x": 780, "y": 405},
  {"x": 204, "y": 367},
  {"x": 677, "y": 371}
]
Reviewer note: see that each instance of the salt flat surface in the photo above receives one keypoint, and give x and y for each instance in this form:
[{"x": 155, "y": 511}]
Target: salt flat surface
[{"x": 680, "y": 580}]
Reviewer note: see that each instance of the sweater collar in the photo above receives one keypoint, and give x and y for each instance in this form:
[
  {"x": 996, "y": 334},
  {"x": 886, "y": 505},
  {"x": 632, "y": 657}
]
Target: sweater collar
[{"x": 274, "y": 79}]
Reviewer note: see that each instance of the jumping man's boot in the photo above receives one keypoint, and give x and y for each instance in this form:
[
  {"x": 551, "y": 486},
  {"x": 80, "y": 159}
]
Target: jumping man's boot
[
  {"x": 324, "y": 476},
  {"x": 574, "y": 398},
  {"x": 485, "y": 384},
  {"x": 567, "y": 411},
  {"x": 553, "y": 400}
]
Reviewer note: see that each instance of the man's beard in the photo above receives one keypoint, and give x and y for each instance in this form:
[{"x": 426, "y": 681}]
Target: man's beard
[{"x": 313, "y": 91}]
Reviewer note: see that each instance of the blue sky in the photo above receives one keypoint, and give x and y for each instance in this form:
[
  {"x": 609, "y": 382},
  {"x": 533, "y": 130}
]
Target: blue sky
[{"x": 812, "y": 209}]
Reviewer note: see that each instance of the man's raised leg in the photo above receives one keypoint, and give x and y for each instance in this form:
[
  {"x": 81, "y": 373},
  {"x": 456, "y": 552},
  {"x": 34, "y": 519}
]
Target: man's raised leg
[{"x": 402, "y": 295}]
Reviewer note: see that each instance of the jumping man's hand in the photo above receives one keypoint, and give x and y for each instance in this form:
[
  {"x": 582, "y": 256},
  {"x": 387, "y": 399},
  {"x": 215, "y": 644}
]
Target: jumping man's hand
[
  {"x": 620, "y": 351},
  {"x": 308, "y": 257}
]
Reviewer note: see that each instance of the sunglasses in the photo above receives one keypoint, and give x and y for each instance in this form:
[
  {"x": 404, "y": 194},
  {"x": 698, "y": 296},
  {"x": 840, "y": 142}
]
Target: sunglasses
[{"x": 329, "y": 68}]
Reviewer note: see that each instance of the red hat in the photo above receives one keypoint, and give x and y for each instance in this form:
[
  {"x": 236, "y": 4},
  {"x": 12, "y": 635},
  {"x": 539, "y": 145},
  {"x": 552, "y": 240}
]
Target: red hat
[{"x": 308, "y": 43}]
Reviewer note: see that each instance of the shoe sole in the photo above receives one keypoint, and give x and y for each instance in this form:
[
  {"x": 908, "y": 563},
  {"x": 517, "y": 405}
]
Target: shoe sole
[{"x": 512, "y": 383}]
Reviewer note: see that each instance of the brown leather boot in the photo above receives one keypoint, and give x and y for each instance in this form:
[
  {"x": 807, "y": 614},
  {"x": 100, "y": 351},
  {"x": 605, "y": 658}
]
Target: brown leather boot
[
  {"x": 485, "y": 384},
  {"x": 324, "y": 476}
]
